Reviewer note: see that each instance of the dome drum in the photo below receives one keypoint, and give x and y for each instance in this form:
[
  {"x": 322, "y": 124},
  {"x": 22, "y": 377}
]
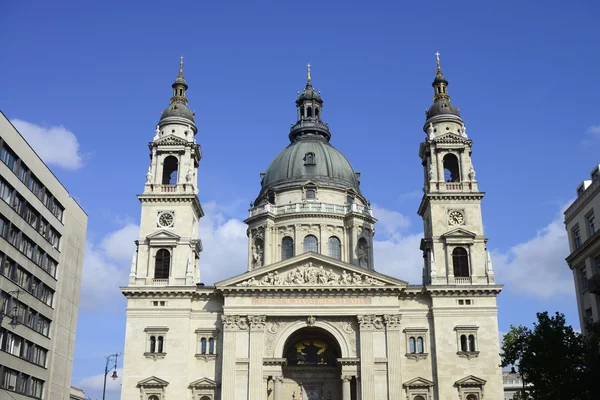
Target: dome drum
[{"x": 308, "y": 126}]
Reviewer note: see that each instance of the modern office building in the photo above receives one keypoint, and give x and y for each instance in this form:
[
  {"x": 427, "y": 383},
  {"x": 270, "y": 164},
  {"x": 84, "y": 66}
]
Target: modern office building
[
  {"x": 584, "y": 244},
  {"x": 512, "y": 384},
  {"x": 42, "y": 237}
]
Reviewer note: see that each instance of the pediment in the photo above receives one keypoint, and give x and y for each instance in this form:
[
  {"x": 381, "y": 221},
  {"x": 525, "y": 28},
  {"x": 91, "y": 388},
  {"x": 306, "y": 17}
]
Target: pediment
[
  {"x": 171, "y": 140},
  {"x": 310, "y": 270},
  {"x": 203, "y": 383},
  {"x": 470, "y": 380},
  {"x": 162, "y": 235},
  {"x": 459, "y": 233},
  {"x": 450, "y": 137},
  {"x": 418, "y": 382},
  {"x": 152, "y": 382}
]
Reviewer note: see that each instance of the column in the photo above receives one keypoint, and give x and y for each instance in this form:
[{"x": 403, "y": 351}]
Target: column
[
  {"x": 231, "y": 324},
  {"x": 367, "y": 361},
  {"x": 394, "y": 355},
  {"x": 278, "y": 388},
  {"x": 346, "y": 387},
  {"x": 257, "y": 340}
]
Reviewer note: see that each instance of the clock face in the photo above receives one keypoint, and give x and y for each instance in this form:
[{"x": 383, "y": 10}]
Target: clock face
[
  {"x": 455, "y": 218},
  {"x": 165, "y": 219}
]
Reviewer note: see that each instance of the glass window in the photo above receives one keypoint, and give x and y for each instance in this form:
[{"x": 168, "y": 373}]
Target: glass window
[
  {"x": 160, "y": 344},
  {"x": 335, "y": 248},
  {"x": 211, "y": 346},
  {"x": 37, "y": 388},
  {"x": 311, "y": 194},
  {"x": 3, "y": 227},
  {"x": 411, "y": 345},
  {"x": 7, "y": 157},
  {"x": 463, "y": 343},
  {"x": 576, "y": 237},
  {"x": 472, "y": 343},
  {"x": 9, "y": 379},
  {"x": 18, "y": 204},
  {"x": 203, "y": 345},
  {"x": 311, "y": 244},
  {"x": 287, "y": 248},
  {"x": 419, "y": 345},
  {"x": 152, "y": 344},
  {"x": 22, "y": 174},
  {"x": 460, "y": 262},
  {"x": 162, "y": 264},
  {"x": 591, "y": 221},
  {"x": 5, "y": 191}
]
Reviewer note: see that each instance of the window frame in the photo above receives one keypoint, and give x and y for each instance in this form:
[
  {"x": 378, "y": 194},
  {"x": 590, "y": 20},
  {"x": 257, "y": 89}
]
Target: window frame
[
  {"x": 338, "y": 249},
  {"x": 468, "y": 332},
  {"x": 412, "y": 336},
  {"x": 156, "y": 332},
  {"x": 590, "y": 222},
  {"x": 206, "y": 335}
]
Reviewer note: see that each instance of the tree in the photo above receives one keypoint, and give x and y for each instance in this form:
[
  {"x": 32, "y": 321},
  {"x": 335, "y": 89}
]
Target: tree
[{"x": 554, "y": 361}]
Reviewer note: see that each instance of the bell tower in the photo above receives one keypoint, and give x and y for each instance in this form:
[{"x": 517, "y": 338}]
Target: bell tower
[
  {"x": 168, "y": 248},
  {"x": 454, "y": 246}
]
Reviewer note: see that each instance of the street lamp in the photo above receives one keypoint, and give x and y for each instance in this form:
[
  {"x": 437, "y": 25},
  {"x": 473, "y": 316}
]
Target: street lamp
[
  {"x": 12, "y": 314},
  {"x": 114, "y": 374}
]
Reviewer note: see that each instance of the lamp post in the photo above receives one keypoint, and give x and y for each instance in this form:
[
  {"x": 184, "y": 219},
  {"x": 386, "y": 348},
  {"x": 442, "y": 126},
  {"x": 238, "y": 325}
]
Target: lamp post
[
  {"x": 12, "y": 314},
  {"x": 114, "y": 374}
]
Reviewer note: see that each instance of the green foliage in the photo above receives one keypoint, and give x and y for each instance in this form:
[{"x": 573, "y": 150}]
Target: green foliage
[{"x": 554, "y": 361}]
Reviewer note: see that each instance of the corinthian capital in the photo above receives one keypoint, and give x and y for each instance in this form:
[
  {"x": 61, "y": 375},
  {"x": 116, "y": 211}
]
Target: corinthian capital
[
  {"x": 392, "y": 321},
  {"x": 257, "y": 322}
]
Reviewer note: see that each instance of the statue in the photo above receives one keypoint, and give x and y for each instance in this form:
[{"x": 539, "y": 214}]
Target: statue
[
  {"x": 156, "y": 133},
  {"x": 471, "y": 173},
  {"x": 189, "y": 175},
  {"x": 257, "y": 256},
  {"x": 430, "y": 134},
  {"x": 149, "y": 175},
  {"x": 431, "y": 172},
  {"x": 464, "y": 131},
  {"x": 310, "y": 321}
]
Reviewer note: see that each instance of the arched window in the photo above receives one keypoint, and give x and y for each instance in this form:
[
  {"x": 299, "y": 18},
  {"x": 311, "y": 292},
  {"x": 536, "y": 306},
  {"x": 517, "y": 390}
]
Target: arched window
[
  {"x": 301, "y": 112},
  {"x": 362, "y": 253},
  {"x": 335, "y": 248},
  {"x": 160, "y": 344},
  {"x": 463, "y": 343},
  {"x": 460, "y": 261},
  {"x": 153, "y": 397},
  {"x": 203, "y": 345},
  {"x": 162, "y": 264},
  {"x": 309, "y": 112},
  {"x": 211, "y": 346},
  {"x": 287, "y": 248},
  {"x": 309, "y": 159},
  {"x": 311, "y": 244},
  {"x": 451, "y": 172},
  {"x": 204, "y": 398},
  {"x": 418, "y": 398},
  {"x": 152, "y": 344},
  {"x": 411, "y": 345},
  {"x": 170, "y": 166},
  {"x": 472, "y": 397},
  {"x": 419, "y": 345},
  {"x": 271, "y": 197},
  {"x": 472, "y": 343},
  {"x": 316, "y": 112}
]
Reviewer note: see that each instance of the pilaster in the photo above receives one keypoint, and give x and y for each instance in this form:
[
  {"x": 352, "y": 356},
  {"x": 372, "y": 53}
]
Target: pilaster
[
  {"x": 231, "y": 325},
  {"x": 394, "y": 355},
  {"x": 257, "y": 340},
  {"x": 367, "y": 323}
]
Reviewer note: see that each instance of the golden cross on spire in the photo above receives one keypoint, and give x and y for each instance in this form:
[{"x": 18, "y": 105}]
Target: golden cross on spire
[
  {"x": 437, "y": 56},
  {"x": 308, "y": 79},
  {"x": 181, "y": 66}
]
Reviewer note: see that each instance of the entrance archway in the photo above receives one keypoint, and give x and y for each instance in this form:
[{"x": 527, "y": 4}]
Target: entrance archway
[{"x": 312, "y": 368}]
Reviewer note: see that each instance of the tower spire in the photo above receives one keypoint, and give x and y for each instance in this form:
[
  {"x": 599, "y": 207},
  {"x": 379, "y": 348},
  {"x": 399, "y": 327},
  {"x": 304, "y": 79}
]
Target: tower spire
[
  {"x": 180, "y": 67},
  {"x": 440, "y": 83},
  {"x": 308, "y": 78}
]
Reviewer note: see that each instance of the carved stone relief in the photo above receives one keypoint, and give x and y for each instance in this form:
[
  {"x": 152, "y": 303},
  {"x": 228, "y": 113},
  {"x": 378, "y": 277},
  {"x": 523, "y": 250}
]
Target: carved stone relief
[
  {"x": 370, "y": 322},
  {"x": 311, "y": 275},
  {"x": 235, "y": 323}
]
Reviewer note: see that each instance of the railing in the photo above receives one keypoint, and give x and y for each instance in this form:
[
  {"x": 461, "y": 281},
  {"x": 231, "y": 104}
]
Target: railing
[
  {"x": 178, "y": 188},
  {"x": 160, "y": 282},
  {"x": 453, "y": 186},
  {"x": 462, "y": 281},
  {"x": 167, "y": 188},
  {"x": 310, "y": 207}
]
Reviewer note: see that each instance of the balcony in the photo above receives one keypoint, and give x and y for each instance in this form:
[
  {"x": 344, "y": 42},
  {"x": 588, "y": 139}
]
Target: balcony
[
  {"x": 312, "y": 207},
  {"x": 160, "y": 282},
  {"x": 179, "y": 188},
  {"x": 453, "y": 186},
  {"x": 462, "y": 281},
  {"x": 594, "y": 284}
]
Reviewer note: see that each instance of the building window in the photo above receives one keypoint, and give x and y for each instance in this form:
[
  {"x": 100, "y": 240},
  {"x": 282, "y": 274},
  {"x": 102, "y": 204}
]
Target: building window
[
  {"x": 5, "y": 191},
  {"x": 591, "y": 223},
  {"x": 287, "y": 248},
  {"x": 412, "y": 347},
  {"x": 451, "y": 171},
  {"x": 416, "y": 344},
  {"x": 309, "y": 159},
  {"x": 310, "y": 194},
  {"x": 8, "y": 157},
  {"x": 162, "y": 264},
  {"x": 460, "y": 262},
  {"x": 335, "y": 248},
  {"x": 156, "y": 342},
  {"x": 576, "y": 237},
  {"x": 170, "y": 166},
  {"x": 207, "y": 343},
  {"x": 311, "y": 244},
  {"x": 467, "y": 340},
  {"x": 584, "y": 279}
]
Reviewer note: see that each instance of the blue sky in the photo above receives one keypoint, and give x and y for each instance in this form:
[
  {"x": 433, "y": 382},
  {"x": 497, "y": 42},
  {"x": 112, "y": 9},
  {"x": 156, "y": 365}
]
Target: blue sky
[{"x": 85, "y": 82}]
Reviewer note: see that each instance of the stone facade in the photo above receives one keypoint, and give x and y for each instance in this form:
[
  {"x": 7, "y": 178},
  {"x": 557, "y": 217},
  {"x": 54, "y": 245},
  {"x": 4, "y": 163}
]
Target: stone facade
[
  {"x": 311, "y": 318},
  {"x": 584, "y": 243},
  {"x": 42, "y": 239}
]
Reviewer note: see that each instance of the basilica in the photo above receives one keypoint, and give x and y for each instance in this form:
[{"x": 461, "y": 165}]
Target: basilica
[{"x": 312, "y": 319}]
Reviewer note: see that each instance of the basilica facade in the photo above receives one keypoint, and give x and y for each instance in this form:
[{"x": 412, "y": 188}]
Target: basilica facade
[{"x": 312, "y": 319}]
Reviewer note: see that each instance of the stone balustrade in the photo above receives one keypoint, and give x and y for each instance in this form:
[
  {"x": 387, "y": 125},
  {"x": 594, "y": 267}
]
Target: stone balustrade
[{"x": 310, "y": 207}]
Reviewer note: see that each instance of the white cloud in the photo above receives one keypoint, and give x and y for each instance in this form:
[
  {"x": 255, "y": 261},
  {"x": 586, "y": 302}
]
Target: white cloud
[
  {"x": 537, "y": 267},
  {"x": 391, "y": 222},
  {"x": 594, "y": 130},
  {"x": 225, "y": 245},
  {"x": 399, "y": 256},
  {"x": 106, "y": 267},
  {"x": 96, "y": 382},
  {"x": 56, "y": 145}
]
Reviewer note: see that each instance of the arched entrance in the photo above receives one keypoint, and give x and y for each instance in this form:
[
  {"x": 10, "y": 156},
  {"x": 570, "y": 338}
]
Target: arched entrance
[{"x": 312, "y": 368}]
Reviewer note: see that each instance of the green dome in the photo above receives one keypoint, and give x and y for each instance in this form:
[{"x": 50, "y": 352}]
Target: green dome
[
  {"x": 442, "y": 107},
  {"x": 177, "y": 109},
  {"x": 293, "y": 166}
]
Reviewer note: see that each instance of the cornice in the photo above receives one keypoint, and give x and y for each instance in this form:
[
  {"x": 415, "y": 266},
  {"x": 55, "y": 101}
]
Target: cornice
[
  {"x": 445, "y": 196},
  {"x": 459, "y": 290},
  {"x": 330, "y": 291},
  {"x": 309, "y": 215},
  {"x": 168, "y": 292},
  {"x": 174, "y": 198}
]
